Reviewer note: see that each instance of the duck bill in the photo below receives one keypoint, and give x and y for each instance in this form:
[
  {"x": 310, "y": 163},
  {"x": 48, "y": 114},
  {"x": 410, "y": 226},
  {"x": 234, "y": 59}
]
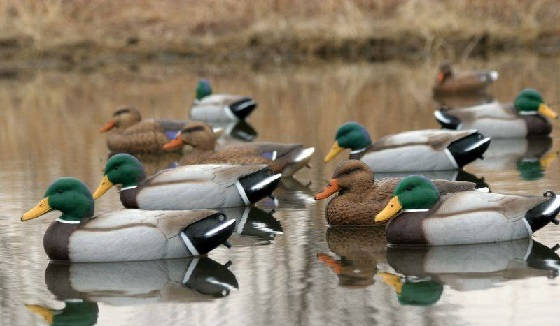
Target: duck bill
[
  {"x": 440, "y": 77},
  {"x": 547, "y": 112},
  {"x": 108, "y": 126},
  {"x": 46, "y": 313},
  {"x": 333, "y": 264},
  {"x": 334, "y": 151},
  {"x": 393, "y": 208},
  {"x": 329, "y": 189},
  {"x": 41, "y": 208},
  {"x": 174, "y": 144},
  {"x": 392, "y": 280},
  {"x": 547, "y": 159},
  {"x": 105, "y": 185}
]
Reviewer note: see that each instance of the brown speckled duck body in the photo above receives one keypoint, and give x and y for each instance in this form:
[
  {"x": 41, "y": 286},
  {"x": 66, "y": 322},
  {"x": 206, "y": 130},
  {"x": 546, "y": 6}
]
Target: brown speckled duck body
[
  {"x": 359, "y": 198},
  {"x": 450, "y": 82},
  {"x": 130, "y": 134},
  {"x": 281, "y": 158}
]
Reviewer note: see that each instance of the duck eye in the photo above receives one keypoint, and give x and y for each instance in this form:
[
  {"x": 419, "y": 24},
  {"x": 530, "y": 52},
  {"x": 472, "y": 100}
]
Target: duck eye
[
  {"x": 409, "y": 188},
  {"x": 59, "y": 191}
]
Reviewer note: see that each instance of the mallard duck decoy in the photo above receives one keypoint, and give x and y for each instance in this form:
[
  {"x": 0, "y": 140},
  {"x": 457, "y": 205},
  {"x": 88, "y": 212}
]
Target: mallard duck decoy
[
  {"x": 130, "y": 134},
  {"x": 420, "y": 150},
  {"x": 449, "y": 81},
  {"x": 419, "y": 214},
  {"x": 359, "y": 198},
  {"x": 527, "y": 116},
  {"x": 282, "y": 158},
  {"x": 123, "y": 235},
  {"x": 187, "y": 187},
  {"x": 219, "y": 107}
]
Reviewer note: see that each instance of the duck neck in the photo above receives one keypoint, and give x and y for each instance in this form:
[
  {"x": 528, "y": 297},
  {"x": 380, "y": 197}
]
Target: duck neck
[{"x": 357, "y": 154}]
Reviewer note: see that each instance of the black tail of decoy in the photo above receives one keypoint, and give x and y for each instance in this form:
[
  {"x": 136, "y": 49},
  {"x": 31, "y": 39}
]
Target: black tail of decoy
[
  {"x": 545, "y": 212},
  {"x": 205, "y": 235},
  {"x": 447, "y": 120},
  {"x": 469, "y": 148},
  {"x": 243, "y": 107},
  {"x": 260, "y": 184}
]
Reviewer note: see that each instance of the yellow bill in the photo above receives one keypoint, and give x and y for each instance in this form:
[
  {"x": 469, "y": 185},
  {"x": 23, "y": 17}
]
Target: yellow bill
[
  {"x": 393, "y": 208},
  {"x": 103, "y": 187},
  {"x": 41, "y": 208},
  {"x": 547, "y": 112},
  {"x": 46, "y": 313},
  {"x": 547, "y": 159},
  {"x": 334, "y": 151},
  {"x": 392, "y": 280}
]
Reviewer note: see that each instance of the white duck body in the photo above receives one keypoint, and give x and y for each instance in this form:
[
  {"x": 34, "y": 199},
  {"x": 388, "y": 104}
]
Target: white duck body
[
  {"x": 218, "y": 107},
  {"x": 129, "y": 235},
  {"x": 421, "y": 150},
  {"x": 203, "y": 186},
  {"x": 469, "y": 217},
  {"x": 496, "y": 120}
]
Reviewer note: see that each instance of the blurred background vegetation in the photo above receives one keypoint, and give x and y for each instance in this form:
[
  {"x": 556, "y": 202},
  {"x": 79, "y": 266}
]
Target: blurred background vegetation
[{"x": 65, "y": 32}]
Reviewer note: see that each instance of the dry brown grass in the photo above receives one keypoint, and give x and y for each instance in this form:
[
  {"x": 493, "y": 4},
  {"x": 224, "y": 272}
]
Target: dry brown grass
[{"x": 219, "y": 27}]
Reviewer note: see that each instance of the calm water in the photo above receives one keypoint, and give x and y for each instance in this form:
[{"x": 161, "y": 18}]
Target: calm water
[{"x": 49, "y": 128}]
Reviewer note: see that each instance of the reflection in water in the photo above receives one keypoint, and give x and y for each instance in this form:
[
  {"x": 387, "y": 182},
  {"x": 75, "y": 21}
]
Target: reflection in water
[
  {"x": 126, "y": 283},
  {"x": 75, "y": 313},
  {"x": 455, "y": 101},
  {"x": 425, "y": 270},
  {"x": 49, "y": 125},
  {"x": 253, "y": 226},
  {"x": 359, "y": 248},
  {"x": 530, "y": 156}
]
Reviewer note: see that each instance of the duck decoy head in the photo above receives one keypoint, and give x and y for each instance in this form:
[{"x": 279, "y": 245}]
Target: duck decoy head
[
  {"x": 348, "y": 174},
  {"x": 203, "y": 89},
  {"x": 529, "y": 102},
  {"x": 196, "y": 134},
  {"x": 121, "y": 169},
  {"x": 350, "y": 135},
  {"x": 122, "y": 118}
]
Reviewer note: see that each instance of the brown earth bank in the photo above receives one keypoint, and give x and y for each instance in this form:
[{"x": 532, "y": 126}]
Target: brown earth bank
[{"x": 65, "y": 34}]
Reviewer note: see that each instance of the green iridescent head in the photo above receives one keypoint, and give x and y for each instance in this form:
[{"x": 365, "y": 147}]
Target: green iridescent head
[
  {"x": 67, "y": 195},
  {"x": 413, "y": 192},
  {"x": 350, "y": 135},
  {"x": 203, "y": 89},
  {"x": 420, "y": 293},
  {"x": 530, "y": 101},
  {"x": 120, "y": 169}
]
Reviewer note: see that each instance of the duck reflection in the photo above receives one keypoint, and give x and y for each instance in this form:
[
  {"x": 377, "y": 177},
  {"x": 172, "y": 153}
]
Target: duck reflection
[
  {"x": 126, "y": 283},
  {"x": 530, "y": 156},
  {"x": 451, "y": 175},
  {"x": 235, "y": 131},
  {"x": 75, "y": 312},
  {"x": 463, "y": 100},
  {"x": 422, "y": 272},
  {"x": 253, "y": 226},
  {"x": 360, "y": 249}
]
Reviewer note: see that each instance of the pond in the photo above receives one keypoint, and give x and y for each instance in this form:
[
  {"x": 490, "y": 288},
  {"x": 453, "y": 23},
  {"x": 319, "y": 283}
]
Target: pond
[{"x": 286, "y": 267}]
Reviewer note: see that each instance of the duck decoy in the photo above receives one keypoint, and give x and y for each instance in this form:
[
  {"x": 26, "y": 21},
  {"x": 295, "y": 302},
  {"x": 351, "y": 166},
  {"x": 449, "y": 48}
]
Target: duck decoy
[
  {"x": 419, "y": 214},
  {"x": 219, "y": 107},
  {"x": 79, "y": 236},
  {"x": 281, "y": 158},
  {"x": 420, "y": 150},
  {"x": 449, "y": 81},
  {"x": 130, "y": 134},
  {"x": 359, "y": 198},
  {"x": 187, "y": 187},
  {"x": 526, "y": 117}
]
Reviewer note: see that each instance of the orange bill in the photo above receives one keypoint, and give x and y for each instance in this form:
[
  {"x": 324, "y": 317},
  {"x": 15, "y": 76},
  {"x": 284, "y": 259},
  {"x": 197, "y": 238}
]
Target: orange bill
[
  {"x": 108, "y": 126},
  {"x": 440, "y": 77},
  {"x": 174, "y": 144},
  {"x": 330, "y": 189}
]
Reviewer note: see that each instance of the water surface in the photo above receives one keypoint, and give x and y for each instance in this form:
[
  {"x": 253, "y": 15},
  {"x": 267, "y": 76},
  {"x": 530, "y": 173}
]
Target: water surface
[{"x": 49, "y": 123}]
